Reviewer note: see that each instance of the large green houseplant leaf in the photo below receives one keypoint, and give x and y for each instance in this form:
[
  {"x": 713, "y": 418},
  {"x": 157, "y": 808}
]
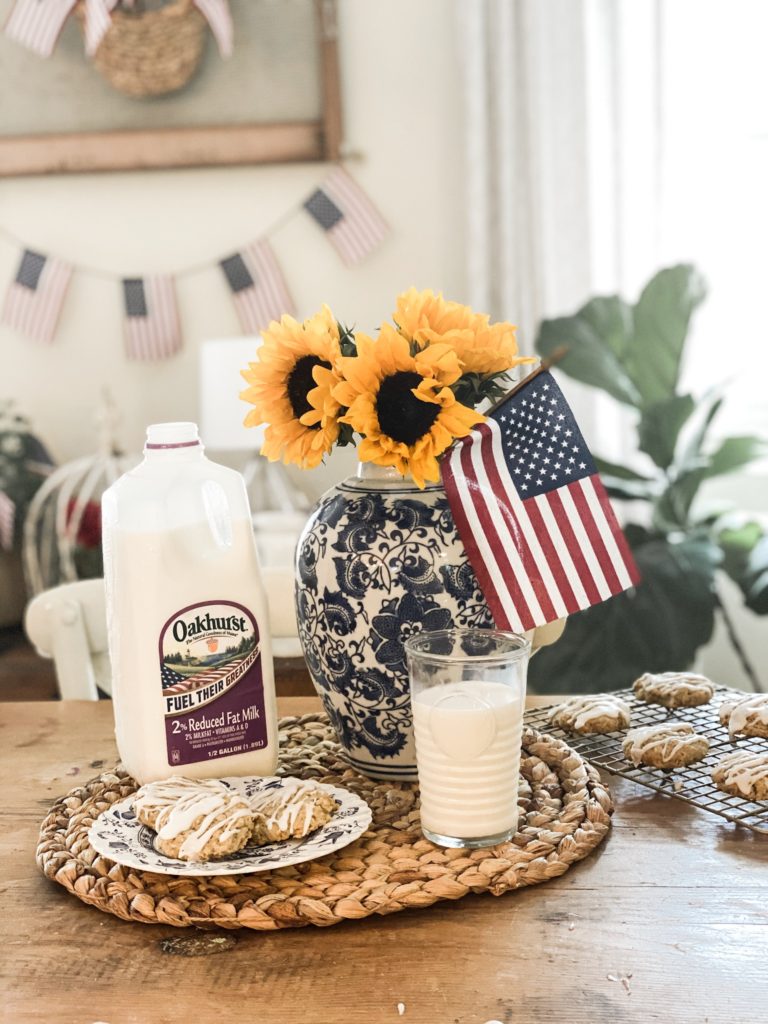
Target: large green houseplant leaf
[{"x": 634, "y": 354}]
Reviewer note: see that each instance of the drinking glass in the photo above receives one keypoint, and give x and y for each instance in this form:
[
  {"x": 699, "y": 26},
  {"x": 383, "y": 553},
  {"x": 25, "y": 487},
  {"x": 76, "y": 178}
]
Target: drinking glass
[{"x": 468, "y": 698}]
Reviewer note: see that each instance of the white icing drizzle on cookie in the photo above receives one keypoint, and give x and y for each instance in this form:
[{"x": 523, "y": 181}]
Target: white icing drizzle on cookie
[
  {"x": 740, "y": 710},
  {"x": 742, "y": 770},
  {"x": 180, "y": 802},
  {"x": 671, "y": 738},
  {"x": 665, "y": 684},
  {"x": 283, "y": 807},
  {"x": 588, "y": 709}
]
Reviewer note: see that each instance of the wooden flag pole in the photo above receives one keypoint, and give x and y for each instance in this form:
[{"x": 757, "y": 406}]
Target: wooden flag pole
[{"x": 543, "y": 366}]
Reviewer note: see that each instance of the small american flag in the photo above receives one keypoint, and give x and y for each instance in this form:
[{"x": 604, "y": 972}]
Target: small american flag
[
  {"x": 7, "y": 521},
  {"x": 351, "y": 222},
  {"x": 152, "y": 328},
  {"x": 219, "y": 18},
  {"x": 170, "y": 678},
  {"x": 532, "y": 512},
  {"x": 98, "y": 19},
  {"x": 35, "y": 296},
  {"x": 257, "y": 285},
  {"x": 175, "y": 682},
  {"x": 37, "y": 24}
]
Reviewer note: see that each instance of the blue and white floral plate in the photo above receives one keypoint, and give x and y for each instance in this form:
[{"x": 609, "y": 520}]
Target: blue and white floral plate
[{"x": 119, "y": 835}]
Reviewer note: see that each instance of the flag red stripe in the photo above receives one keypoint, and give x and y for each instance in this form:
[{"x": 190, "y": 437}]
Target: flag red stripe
[
  {"x": 574, "y": 549},
  {"x": 507, "y": 510},
  {"x": 34, "y": 312},
  {"x": 618, "y": 533},
  {"x": 511, "y": 581},
  {"x": 158, "y": 334},
  {"x": 585, "y": 514},
  {"x": 473, "y": 552},
  {"x": 362, "y": 227},
  {"x": 36, "y": 25},
  {"x": 550, "y": 552}
]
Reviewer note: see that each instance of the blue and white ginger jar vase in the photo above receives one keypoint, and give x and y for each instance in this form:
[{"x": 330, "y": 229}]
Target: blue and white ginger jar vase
[{"x": 378, "y": 561}]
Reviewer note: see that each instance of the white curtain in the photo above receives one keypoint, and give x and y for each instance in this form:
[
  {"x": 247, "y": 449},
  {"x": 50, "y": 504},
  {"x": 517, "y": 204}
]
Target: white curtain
[
  {"x": 562, "y": 163},
  {"x": 562, "y": 156}
]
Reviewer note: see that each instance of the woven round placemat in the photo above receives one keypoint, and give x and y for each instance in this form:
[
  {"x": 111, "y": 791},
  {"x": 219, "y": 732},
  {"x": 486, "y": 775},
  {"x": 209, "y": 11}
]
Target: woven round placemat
[{"x": 565, "y": 814}]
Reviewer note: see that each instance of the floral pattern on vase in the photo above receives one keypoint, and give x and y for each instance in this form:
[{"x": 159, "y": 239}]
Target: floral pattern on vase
[{"x": 378, "y": 561}]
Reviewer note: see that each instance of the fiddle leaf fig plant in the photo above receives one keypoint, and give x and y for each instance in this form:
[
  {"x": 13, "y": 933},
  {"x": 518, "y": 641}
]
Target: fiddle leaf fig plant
[{"x": 634, "y": 354}]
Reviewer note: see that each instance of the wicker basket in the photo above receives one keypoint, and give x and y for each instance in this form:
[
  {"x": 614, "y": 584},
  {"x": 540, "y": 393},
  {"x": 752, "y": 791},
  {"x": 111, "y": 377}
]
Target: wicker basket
[{"x": 152, "y": 52}]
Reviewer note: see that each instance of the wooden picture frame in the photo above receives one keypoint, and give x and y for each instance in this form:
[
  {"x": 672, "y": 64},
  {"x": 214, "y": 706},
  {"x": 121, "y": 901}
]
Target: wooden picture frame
[{"x": 216, "y": 145}]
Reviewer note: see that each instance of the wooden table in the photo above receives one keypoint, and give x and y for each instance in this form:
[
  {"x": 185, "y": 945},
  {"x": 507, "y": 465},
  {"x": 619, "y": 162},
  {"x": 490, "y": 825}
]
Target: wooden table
[{"x": 668, "y": 921}]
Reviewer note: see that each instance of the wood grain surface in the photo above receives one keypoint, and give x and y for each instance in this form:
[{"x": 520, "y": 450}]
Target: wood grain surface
[{"x": 668, "y": 921}]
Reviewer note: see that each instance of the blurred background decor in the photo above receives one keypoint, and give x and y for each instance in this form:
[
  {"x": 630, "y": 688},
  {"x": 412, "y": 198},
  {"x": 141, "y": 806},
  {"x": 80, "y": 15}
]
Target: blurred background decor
[
  {"x": 681, "y": 543},
  {"x": 24, "y": 465},
  {"x": 173, "y": 102},
  {"x": 144, "y": 49},
  {"x": 62, "y": 527}
]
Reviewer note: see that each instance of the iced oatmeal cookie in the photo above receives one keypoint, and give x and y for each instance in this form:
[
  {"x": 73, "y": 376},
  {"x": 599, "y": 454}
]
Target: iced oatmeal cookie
[
  {"x": 195, "y": 820},
  {"x": 743, "y": 773},
  {"x": 602, "y": 712},
  {"x": 665, "y": 745},
  {"x": 674, "y": 689},
  {"x": 291, "y": 812},
  {"x": 747, "y": 715}
]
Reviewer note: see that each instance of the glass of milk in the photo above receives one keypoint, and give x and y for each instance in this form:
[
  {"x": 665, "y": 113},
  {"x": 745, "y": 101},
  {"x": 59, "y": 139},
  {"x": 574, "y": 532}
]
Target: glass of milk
[{"x": 468, "y": 697}]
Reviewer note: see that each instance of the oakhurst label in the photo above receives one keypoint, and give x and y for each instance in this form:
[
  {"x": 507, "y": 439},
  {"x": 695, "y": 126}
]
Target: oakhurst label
[{"x": 213, "y": 694}]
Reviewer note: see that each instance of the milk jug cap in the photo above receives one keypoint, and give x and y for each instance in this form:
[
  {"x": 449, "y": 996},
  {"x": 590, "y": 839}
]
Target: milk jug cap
[{"x": 172, "y": 435}]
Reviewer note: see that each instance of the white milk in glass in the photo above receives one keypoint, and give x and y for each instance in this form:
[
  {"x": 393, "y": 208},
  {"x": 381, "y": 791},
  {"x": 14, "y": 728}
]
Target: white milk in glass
[
  {"x": 192, "y": 674},
  {"x": 468, "y": 748}
]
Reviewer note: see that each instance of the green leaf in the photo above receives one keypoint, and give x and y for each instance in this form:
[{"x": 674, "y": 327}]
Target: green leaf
[
  {"x": 745, "y": 559},
  {"x": 736, "y": 542},
  {"x": 706, "y": 411},
  {"x": 628, "y": 490},
  {"x": 611, "y": 319},
  {"x": 620, "y": 472},
  {"x": 673, "y": 508},
  {"x": 590, "y": 357},
  {"x": 657, "y": 627},
  {"x": 625, "y": 483},
  {"x": 662, "y": 317},
  {"x": 660, "y": 425},
  {"x": 734, "y": 453}
]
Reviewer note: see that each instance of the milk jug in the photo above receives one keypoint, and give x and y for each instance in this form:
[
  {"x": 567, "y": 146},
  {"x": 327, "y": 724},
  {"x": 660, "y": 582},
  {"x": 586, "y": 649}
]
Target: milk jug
[{"x": 192, "y": 674}]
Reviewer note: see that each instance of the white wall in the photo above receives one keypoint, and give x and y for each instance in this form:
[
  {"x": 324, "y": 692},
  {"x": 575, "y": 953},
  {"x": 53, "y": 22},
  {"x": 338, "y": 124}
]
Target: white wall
[{"x": 399, "y": 115}]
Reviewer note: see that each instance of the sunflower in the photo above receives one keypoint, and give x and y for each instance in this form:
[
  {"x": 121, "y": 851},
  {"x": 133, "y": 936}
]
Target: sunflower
[
  {"x": 291, "y": 389},
  {"x": 402, "y": 404},
  {"x": 482, "y": 347}
]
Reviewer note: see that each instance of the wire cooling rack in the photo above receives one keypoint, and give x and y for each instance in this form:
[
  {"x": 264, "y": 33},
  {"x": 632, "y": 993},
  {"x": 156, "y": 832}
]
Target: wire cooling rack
[{"x": 693, "y": 784}]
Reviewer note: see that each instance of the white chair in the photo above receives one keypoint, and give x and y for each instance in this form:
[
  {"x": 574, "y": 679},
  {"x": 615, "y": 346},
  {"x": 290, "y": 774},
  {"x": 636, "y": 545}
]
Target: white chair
[{"x": 69, "y": 624}]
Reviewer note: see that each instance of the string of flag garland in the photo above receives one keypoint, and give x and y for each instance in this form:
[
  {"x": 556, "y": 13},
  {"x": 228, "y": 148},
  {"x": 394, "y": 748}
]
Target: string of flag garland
[{"x": 152, "y": 328}]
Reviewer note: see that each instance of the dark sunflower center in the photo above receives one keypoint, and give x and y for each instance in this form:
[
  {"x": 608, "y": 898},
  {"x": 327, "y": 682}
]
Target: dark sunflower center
[
  {"x": 403, "y": 416},
  {"x": 300, "y": 383}
]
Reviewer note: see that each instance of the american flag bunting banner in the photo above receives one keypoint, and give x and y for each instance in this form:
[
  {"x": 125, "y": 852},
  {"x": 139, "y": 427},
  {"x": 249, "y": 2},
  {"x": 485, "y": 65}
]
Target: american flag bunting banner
[
  {"x": 349, "y": 219},
  {"x": 258, "y": 287},
  {"x": 37, "y": 24},
  {"x": 152, "y": 329},
  {"x": 7, "y": 521},
  {"x": 34, "y": 298},
  {"x": 532, "y": 512},
  {"x": 219, "y": 18},
  {"x": 98, "y": 18}
]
